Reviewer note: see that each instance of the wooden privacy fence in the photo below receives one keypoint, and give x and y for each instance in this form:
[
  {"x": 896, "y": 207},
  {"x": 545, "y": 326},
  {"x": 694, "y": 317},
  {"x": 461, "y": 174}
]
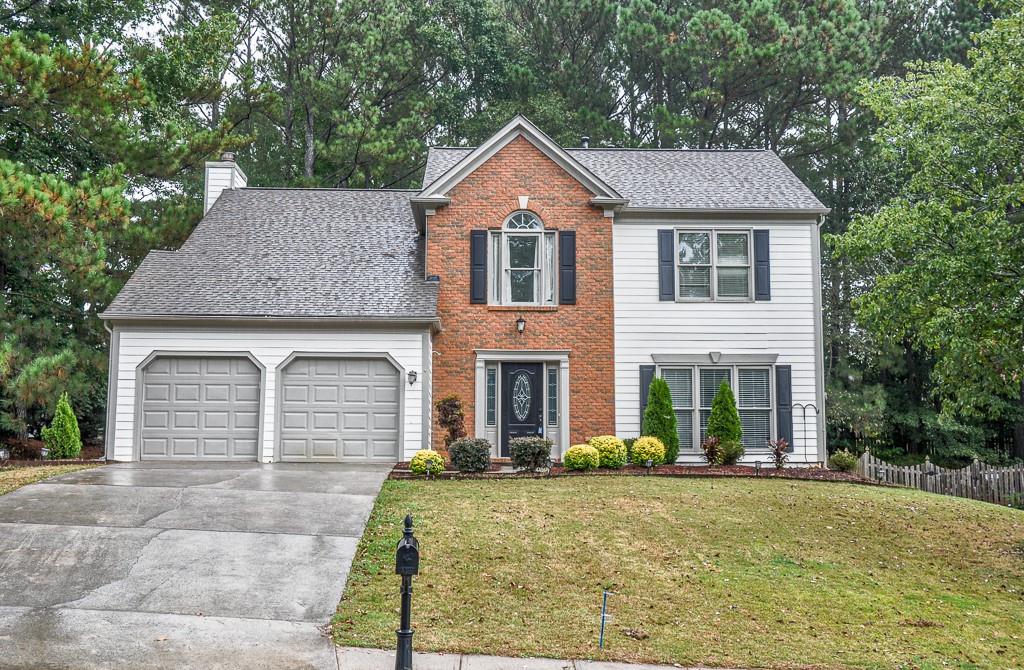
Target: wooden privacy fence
[{"x": 979, "y": 481}]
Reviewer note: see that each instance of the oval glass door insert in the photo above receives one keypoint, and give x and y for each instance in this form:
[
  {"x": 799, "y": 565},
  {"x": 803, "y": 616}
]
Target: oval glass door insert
[{"x": 521, "y": 396}]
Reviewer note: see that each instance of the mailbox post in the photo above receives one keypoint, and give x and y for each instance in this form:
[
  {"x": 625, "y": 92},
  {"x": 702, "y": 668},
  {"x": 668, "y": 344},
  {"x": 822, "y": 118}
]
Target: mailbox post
[{"x": 407, "y": 564}]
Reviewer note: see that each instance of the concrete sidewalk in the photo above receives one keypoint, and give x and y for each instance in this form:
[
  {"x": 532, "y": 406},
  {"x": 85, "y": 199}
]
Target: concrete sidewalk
[{"x": 352, "y": 658}]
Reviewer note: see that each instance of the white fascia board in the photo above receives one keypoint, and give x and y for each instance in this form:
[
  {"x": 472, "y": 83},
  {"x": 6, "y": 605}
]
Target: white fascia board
[{"x": 519, "y": 126}]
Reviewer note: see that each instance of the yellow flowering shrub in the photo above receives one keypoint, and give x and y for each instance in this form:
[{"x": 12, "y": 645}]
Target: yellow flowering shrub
[
  {"x": 581, "y": 457},
  {"x": 427, "y": 460},
  {"x": 611, "y": 449},
  {"x": 648, "y": 448}
]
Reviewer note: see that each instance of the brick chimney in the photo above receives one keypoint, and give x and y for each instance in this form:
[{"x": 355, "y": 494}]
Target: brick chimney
[{"x": 220, "y": 175}]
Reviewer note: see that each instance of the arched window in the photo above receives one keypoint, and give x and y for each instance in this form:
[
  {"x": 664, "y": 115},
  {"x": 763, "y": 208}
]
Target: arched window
[{"x": 522, "y": 262}]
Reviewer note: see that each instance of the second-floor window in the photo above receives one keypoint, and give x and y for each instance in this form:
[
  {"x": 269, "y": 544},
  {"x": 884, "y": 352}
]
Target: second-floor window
[
  {"x": 713, "y": 265},
  {"x": 522, "y": 262}
]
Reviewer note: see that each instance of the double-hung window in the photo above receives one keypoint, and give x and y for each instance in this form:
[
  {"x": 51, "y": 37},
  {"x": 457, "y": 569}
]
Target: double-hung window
[
  {"x": 693, "y": 391},
  {"x": 711, "y": 380},
  {"x": 680, "y": 386},
  {"x": 522, "y": 262},
  {"x": 713, "y": 265},
  {"x": 754, "y": 400}
]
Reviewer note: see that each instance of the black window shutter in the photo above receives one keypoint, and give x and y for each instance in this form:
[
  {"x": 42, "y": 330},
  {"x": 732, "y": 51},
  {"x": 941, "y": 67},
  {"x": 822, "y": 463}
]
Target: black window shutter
[
  {"x": 567, "y": 267},
  {"x": 762, "y": 266},
  {"x": 784, "y": 405},
  {"x": 478, "y": 266},
  {"x": 666, "y": 266},
  {"x": 646, "y": 377}
]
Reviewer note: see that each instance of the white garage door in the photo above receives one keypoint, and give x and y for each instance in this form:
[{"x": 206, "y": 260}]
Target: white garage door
[
  {"x": 339, "y": 409},
  {"x": 200, "y": 408}
]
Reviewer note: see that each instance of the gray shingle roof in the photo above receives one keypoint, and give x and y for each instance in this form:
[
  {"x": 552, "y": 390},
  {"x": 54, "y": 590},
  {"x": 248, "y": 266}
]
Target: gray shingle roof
[
  {"x": 679, "y": 178},
  {"x": 290, "y": 253}
]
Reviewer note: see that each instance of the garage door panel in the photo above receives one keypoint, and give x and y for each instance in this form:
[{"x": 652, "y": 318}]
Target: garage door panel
[
  {"x": 154, "y": 447},
  {"x": 363, "y": 398},
  {"x": 384, "y": 448},
  {"x": 387, "y": 422},
  {"x": 215, "y": 420},
  {"x": 217, "y": 393},
  {"x": 293, "y": 448},
  {"x": 156, "y": 392},
  {"x": 325, "y": 421},
  {"x": 356, "y": 394},
  {"x": 295, "y": 393},
  {"x": 187, "y": 366},
  {"x": 325, "y": 394},
  {"x": 246, "y": 420},
  {"x": 247, "y": 393},
  {"x": 355, "y": 421},
  {"x": 185, "y": 447},
  {"x": 200, "y": 408}
]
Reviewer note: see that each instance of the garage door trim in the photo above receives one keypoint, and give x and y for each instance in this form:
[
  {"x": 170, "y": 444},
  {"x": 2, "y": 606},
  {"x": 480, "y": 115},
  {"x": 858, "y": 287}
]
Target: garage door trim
[
  {"x": 279, "y": 381},
  {"x": 140, "y": 371}
]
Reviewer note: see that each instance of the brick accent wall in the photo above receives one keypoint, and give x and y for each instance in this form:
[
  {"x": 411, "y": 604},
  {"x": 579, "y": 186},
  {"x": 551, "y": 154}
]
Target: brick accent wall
[{"x": 483, "y": 200}]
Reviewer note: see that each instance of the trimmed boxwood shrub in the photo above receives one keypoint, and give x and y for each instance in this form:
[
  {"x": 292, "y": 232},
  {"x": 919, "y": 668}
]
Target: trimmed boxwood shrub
[
  {"x": 659, "y": 420},
  {"x": 530, "y": 453},
  {"x": 730, "y": 452},
  {"x": 470, "y": 454},
  {"x": 648, "y": 448},
  {"x": 724, "y": 420},
  {"x": 611, "y": 449},
  {"x": 843, "y": 461},
  {"x": 581, "y": 457},
  {"x": 62, "y": 437},
  {"x": 427, "y": 461}
]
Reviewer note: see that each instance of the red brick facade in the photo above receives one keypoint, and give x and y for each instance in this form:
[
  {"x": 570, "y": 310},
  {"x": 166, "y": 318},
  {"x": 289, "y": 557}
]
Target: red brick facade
[{"x": 483, "y": 200}]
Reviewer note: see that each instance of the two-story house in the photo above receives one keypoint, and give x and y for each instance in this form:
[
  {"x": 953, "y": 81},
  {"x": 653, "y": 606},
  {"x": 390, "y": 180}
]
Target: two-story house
[{"x": 543, "y": 286}]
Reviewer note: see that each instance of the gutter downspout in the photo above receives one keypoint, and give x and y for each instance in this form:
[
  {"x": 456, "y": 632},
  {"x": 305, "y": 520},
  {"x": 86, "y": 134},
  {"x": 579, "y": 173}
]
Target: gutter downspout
[
  {"x": 819, "y": 342},
  {"x": 112, "y": 361}
]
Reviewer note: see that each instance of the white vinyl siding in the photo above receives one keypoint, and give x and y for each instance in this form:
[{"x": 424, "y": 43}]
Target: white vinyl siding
[
  {"x": 782, "y": 327},
  {"x": 270, "y": 346}
]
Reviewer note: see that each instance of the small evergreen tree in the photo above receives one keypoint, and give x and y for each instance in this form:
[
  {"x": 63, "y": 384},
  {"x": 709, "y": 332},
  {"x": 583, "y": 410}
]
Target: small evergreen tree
[
  {"x": 724, "y": 421},
  {"x": 62, "y": 436},
  {"x": 660, "y": 420}
]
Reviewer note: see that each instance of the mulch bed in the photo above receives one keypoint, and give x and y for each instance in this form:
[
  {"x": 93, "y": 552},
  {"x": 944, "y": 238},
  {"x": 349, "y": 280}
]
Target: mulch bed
[
  {"x": 28, "y": 453},
  {"x": 401, "y": 471}
]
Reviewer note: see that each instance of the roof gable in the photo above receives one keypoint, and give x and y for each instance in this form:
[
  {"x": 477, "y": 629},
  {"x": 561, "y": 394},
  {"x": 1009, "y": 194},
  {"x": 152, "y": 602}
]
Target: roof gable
[{"x": 437, "y": 190}]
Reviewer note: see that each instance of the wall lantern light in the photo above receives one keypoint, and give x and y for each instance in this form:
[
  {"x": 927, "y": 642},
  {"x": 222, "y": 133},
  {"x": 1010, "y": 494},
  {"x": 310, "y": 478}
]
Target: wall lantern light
[
  {"x": 520, "y": 325},
  {"x": 412, "y": 377}
]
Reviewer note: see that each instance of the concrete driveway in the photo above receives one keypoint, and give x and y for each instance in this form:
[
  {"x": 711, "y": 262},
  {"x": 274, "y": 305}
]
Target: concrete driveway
[{"x": 179, "y": 565}]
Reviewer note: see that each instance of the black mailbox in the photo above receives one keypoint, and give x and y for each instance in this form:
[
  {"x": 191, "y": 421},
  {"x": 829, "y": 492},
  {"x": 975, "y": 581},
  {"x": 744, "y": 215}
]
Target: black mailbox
[{"x": 407, "y": 557}]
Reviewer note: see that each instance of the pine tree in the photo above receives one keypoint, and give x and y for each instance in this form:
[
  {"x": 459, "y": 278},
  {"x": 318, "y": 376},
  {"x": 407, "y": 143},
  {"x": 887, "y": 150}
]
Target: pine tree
[
  {"x": 62, "y": 436},
  {"x": 660, "y": 420},
  {"x": 724, "y": 421}
]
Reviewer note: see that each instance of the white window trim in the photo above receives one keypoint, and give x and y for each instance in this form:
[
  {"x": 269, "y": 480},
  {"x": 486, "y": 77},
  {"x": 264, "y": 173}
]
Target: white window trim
[
  {"x": 733, "y": 383},
  {"x": 713, "y": 233},
  {"x": 499, "y": 289}
]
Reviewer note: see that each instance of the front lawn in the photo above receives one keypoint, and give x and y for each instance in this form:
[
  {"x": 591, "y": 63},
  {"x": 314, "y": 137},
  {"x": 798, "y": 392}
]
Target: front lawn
[
  {"x": 15, "y": 478},
  {"x": 734, "y": 572}
]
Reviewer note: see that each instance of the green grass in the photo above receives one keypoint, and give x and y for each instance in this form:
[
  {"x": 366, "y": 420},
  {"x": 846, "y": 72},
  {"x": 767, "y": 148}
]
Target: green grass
[
  {"x": 736, "y": 572},
  {"x": 15, "y": 478}
]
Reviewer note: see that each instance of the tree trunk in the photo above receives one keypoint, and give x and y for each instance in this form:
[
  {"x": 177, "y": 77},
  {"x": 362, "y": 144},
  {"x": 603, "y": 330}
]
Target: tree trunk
[
  {"x": 310, "y": 157},
  {"x": 1018, "y": 428}
]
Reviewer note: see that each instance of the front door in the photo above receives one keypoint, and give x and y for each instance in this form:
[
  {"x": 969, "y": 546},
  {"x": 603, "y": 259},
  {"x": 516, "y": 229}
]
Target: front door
[{"x": 522, "y": 412}]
